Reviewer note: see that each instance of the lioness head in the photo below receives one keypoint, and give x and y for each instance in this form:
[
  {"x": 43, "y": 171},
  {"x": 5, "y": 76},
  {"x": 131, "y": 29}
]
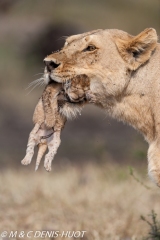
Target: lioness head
[{"x": 105, "y": 56}]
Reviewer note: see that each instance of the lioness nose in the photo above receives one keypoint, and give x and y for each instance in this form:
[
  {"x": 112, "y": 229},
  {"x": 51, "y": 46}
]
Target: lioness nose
[{"x": 51, "y": 65}]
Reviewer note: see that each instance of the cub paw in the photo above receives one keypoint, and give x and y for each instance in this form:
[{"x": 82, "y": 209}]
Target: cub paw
[
  {"x": 26, "y": 161},
  {"x": 47, "y": 165},
  {"x": 90, "y": 97}
]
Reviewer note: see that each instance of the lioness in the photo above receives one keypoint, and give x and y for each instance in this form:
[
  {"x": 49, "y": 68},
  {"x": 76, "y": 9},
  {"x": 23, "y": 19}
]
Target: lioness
[{"x": 124, "y": 73}]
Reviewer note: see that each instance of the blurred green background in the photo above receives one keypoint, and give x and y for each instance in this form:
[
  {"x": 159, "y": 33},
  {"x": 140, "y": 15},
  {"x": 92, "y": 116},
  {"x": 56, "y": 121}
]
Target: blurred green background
[{"x": 29, "y": 30}]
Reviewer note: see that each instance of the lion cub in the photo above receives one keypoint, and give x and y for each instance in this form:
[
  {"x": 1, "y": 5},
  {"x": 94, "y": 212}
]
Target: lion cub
[
  {"x": 48, "y": 125},
  {"x": 50, "y": 116}
]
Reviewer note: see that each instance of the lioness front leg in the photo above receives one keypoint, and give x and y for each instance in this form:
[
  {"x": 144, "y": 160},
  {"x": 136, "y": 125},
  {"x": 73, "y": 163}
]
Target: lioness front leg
[
  {"x": 53, "y": 144},
  {"x": 154, "y": 162}
]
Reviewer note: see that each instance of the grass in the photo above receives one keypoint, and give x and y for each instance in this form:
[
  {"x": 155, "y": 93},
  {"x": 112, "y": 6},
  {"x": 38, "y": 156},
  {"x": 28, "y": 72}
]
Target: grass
[
  {"x": 154, "y": 226},
  {"x": 91, "y": 198}
]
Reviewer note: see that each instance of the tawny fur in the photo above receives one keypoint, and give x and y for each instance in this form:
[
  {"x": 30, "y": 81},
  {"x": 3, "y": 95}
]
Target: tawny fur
[
  {"x": 48, "y": 125},
  {"x": 124, "y": 73},
  {"x": 50, "y": 116}
]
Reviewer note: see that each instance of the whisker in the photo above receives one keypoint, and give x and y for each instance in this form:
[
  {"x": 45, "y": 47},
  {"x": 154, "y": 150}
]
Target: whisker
[
  {"x": 37, "y": 74},
  {"x": 41, "y": 84},
  {"x": 63, "y": 37},
  {"x": 35, "y": 82}
]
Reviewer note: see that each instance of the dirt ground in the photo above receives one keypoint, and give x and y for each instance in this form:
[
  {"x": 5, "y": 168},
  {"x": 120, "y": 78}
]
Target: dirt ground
[{"x": 105, "y": 201}]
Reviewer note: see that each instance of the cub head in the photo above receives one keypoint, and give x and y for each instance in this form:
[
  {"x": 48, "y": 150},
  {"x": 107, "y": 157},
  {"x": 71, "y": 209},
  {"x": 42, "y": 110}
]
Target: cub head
[{"x": 106, "y": 57}]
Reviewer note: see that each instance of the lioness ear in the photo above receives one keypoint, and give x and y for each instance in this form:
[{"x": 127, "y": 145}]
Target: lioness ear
[{"x": 138, "y": 50}]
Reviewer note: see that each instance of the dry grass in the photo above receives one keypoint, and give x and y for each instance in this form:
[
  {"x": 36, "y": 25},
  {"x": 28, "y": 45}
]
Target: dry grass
[{"x": 105, "y": 201}]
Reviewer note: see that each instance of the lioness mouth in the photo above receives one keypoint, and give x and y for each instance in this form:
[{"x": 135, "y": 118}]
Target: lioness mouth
[{"x": 51, "y": 80}]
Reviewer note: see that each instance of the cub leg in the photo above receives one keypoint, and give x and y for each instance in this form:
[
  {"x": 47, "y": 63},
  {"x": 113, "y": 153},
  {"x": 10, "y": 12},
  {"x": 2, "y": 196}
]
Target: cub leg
[
  {"x": 34, "y": 137},
  {"x": 38, "y": 115},
  {"x": 50, "y": 104},
  {"x": 32, "y": 142},
  {"x": 53, "y": 144},
  {"x": 44, "y": 133}
]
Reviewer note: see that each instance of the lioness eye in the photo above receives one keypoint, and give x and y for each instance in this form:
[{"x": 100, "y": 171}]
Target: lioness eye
[{"x": 90, "y": 48}]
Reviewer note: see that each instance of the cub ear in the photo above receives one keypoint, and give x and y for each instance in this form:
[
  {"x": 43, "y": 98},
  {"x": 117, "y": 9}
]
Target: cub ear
[{"x": 137, "y": 50}]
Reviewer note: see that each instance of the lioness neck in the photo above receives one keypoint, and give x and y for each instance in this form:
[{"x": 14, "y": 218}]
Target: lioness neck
[{"x": 138, "y": 105}]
